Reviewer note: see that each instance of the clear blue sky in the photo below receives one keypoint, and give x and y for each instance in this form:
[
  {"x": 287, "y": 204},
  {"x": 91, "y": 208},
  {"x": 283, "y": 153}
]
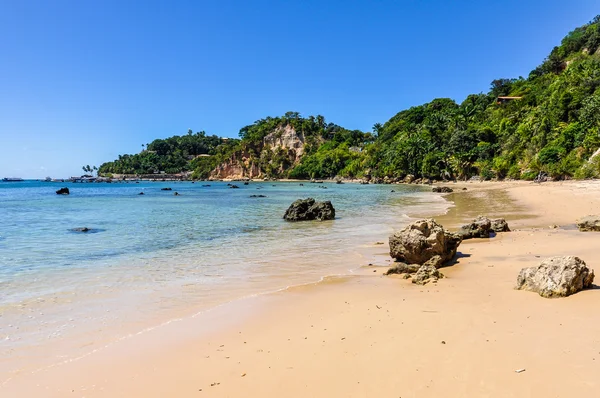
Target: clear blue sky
[{"x": 83, "y": 81}]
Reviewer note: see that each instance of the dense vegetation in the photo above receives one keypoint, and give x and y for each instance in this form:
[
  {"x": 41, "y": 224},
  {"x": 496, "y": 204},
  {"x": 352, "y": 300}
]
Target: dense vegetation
[
  {"x": 552, "y": 126},
  {"x": 172, "y": 155}
]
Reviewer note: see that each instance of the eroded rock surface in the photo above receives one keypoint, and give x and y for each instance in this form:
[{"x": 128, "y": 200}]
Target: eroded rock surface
[
  {"x": 309, "y": 209},
  {"x": 556, "y": 277},
  {"x": 420, "y": 241}
]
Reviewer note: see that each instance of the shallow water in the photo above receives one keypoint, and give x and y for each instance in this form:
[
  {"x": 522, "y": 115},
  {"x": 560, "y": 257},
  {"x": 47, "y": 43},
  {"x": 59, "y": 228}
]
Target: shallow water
[{"x": 157, "y": 256}]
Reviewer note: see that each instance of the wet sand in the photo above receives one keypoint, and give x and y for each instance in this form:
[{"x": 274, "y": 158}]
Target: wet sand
[{"x": 367, "y": 335}]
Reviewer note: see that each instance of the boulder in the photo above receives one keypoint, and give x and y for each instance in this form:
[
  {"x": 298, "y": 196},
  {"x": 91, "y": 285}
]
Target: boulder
[
  {"x": 478, "y": 228},
  {"x": 141, "y": 193},
  {"x": 309, "y": 209},
  {"x": 409, "y": 178},
  {"x": 427, "y": 273},
  {"x": 500, "y": 225},
  {"x": 556, "y": 277},
  {"x": 442, "y": 189},
  {"x": 176, "y": 194},
  {"x": 63, "y": 191},
  {"x": 483, "y": 227},
  {"x": 420, "y": 241},
  {"x": 589, "y": 224}
]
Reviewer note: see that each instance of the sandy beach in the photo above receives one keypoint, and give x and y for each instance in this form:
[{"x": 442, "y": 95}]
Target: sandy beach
[{"x": 369, "y": 335}]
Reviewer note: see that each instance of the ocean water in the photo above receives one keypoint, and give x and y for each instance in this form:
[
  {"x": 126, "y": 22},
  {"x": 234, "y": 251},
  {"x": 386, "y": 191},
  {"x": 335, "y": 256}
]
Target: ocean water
[{"x": 158, "y": 256}]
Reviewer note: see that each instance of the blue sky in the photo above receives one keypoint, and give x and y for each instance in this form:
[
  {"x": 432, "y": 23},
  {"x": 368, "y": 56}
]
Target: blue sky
[{"x": 83, "y": 81}]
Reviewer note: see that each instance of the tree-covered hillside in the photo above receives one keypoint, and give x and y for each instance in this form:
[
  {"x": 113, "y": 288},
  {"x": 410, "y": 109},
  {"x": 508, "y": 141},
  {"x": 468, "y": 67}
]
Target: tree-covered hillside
[
  {"x": 172, "y": 155},
  {"x": 548, "y": 122}
]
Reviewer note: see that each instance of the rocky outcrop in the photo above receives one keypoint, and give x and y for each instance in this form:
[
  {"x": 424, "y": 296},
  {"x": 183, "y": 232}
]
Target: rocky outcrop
[
  {"x": 442, "y": 189},
  {"x": 283, "y": 141},
  {"x": 478, "y": 228},
  {"x": 287, "y": 139},
  {"x": 556, "y": 277},
  {"x": 309, "y": 209},
  {"x": 427, "y": 273},
  {"x": 589, "y": 224},
  {"x": 420, "y": 241},
  {"x": 483, "y": 227},
  {"x": 500, "y": 225},
  {"x": 63, "y": 191}
]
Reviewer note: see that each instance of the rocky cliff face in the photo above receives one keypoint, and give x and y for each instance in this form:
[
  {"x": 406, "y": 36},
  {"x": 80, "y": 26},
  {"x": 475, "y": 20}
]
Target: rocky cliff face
[
  {"x": 287, "y": 139},
  {"x": 242, "y": 165}
]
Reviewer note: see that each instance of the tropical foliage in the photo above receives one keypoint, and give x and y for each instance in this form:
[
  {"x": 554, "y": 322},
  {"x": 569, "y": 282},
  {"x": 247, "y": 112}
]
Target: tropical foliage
[{"x": 548, "y": 122}]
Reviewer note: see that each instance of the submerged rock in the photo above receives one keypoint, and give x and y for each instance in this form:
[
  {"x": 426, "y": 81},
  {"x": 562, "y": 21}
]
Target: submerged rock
[
  {"x": 63, "y": 191},
  {"x": 166, "y": 189},
  {"x": 82, "y": 229},
  {"x": 233, "y": 186},
  {"x": 141, "y": 193},
  {"x": 589, "y": 224},
  {"x": 258, "y": 196},
  {"x": 442, "y": 189},
  {"x": 420, "y": 241},
  {"x": 309, "y": 209},
  {"x": 556, "y": 277}
]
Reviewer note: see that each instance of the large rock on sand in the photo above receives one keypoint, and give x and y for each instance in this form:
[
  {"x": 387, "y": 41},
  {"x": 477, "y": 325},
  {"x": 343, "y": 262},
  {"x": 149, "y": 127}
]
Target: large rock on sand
[
  {"x": 482, "y": 227},
  {"x": 422, "y": 240},
  {"x": 589, "y": 223},
  {"x": 442, "y": 189},
  {"x": 309, "y": 209},
  {"x": 556, "y": 277}
]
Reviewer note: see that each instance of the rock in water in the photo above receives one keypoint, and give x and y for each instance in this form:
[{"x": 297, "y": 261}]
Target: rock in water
[
  {"x": 442, "y": 189},
  {"x": 83, "y": 229},
  {"x": 556, "y": 277},
  {"x": 479, "y": 228},
  {"x": 422, "y": 240},
  {"x": 500, "y": 225},
  {"x": 589, "y": 224},
  {"x": 63, "y": 191},
  {"x": 166, "y": 189},
  {"x": 309, "y": 209}
]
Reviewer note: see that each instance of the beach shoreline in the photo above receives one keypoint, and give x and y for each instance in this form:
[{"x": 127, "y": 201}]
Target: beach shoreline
[{"x": 366, "y": 335}]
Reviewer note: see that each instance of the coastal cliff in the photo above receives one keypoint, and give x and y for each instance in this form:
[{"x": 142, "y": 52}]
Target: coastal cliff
[{"x": 279, "y": 150}]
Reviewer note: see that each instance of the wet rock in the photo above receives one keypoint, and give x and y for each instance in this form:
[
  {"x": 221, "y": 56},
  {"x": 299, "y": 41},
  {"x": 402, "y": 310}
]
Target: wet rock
[
  {"x": 82, "y": 229},
  {"x": 426, "y": 273},
  {"x": 442, "y": 189},
  {"x": 478, "y": 228},
  {"x": 309, "y": 209},
  {"x": 483, "y": 227},
  {"x": 257, "y": 196},
  {"x": 589, "y": 224},
  {"x": 500, "y": 225},
  {"x": 63, "y": 191},
  {"x": 403, "y": 268},
  {"x": 420, "y": 241},
  {"x": 166, "y": 189},
  {"x": 176, "y": 194},
  {"x": 234, "y": 186},
  {"x": 141, "y": 193},
  {"x": 556, "y": 277}
]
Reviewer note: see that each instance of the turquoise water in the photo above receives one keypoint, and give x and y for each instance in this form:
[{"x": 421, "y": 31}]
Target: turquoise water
[{"x": 156, "y": 256}]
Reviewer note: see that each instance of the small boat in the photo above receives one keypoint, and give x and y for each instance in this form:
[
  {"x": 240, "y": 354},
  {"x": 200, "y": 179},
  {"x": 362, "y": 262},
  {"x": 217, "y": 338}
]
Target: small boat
[{"x": 11, "y": 179}]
